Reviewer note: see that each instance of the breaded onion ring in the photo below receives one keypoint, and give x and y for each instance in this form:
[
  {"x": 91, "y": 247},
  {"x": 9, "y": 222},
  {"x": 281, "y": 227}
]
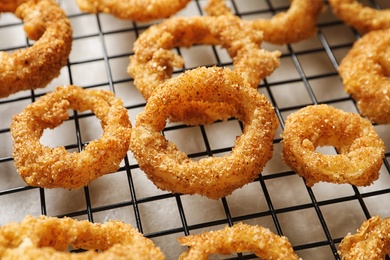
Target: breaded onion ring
[
  {"x": 372, "y": 241},
  {"x": 47, "y": 167},
  {"x": 204, "y": 95},
  {"x": 360, "y": 17},
  {"x": 238, "y": 238},
  {"x": 365, "y": 71},
  {"x": 299, "y": 22},
  {"x": 136, "y": 10},
  {"x": 9, "y": 5},
  {"x": 360, "y": 149},
  {"x": 153, "y": 60},
  {"x": 36, "y": 66},
  {"x": 49, "y": 237}
]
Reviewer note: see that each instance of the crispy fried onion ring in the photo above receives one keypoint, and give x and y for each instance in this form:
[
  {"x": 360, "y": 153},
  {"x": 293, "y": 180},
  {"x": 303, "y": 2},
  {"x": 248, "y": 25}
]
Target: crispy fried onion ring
[
  {"x": 238, "y": 238},
  {"x": 153, "y": 60},
  {"x": 299, "y": 22},
  {"x": 36, "y": 66},
  {"x": 372, "y": 241},
  {"x": 360, "y": 17},
  {"x": 365, "y": 71},
  {"x": 9, "y": 5},
  {"x": 49, "y": 237},
  {"x": 47, "y": 167},
  {"x": 136, "y": 10},
  {"x": 204, "y": 95},
  {"x": 359, "y": 147}
]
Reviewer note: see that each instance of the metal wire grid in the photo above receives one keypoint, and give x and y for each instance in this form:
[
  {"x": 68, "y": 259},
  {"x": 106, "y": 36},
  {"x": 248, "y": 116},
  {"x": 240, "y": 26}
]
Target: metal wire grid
[{"x": 137, "y": 207}]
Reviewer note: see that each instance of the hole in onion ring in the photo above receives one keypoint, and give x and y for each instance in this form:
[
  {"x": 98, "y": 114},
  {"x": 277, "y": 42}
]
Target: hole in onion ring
[
  {"x": 189, "y": 139},
  {"x": 62, "y": 135},
  {"x": 59, "y": 136},
  {"x": 326, "y": 150},
  {"x": 220, "y": 135}
]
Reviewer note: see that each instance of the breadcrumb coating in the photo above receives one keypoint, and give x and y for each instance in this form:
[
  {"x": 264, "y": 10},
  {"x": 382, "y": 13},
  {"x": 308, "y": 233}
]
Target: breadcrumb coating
[
  {"x": 36, "y": 66},
  {"x": 372, "y": 241},
  {"x": 238, "y": 238},
  {"x": 204, "y": 95},
  {"x": 136, "y": 10},
  {"x": 154, "y": 60},
  {"x": 362, "y": 18},
  {"x": 360, "y": 150},
  {"x": 48, "y": 167},
  {"x": 365, "y": 71},
  {"x": 49, "y": 238},
  {"x": 298, "y": 23}
]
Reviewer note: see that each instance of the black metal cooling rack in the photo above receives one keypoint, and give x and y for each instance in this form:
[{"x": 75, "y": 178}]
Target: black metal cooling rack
[{"x": 314, "y": 219}]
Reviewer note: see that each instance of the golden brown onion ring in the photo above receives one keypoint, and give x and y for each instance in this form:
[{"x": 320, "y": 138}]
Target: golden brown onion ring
[
  {"x": 204, "y": 95},
  {"x": 299, "y": 22},
  {"x": 49, "y": 237},
  {"x": 10, "y": 5},
  {"x": 360, "y": 149},
  {"x": 365, "y": 71},
  {"x": 362, "y": 18},
  {"x": 372, "y": 241},
  {"x": 47, "y": 167},
  {"x": 153, "y": 60},
  {"x": 238, "y": 238},
  {"x": 137, "y": 10},
  {"x": 36, "y": 66}
]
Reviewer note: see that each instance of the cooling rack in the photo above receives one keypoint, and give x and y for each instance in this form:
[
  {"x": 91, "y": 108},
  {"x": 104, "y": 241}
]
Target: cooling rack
[{"x": 314, "y": 219}]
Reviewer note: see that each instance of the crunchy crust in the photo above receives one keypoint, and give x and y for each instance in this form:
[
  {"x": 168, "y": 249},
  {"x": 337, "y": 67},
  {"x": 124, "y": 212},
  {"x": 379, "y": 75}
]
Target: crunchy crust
[
  {"x": 204, "y": 95},
  {"x": 49, "y": 167},
  {"x": 299, "y": 22},
  {"x": 153, "y": 60},
  {"x": 360, "y": 149},
  {"x": 10, "y": 5},
  {"x": 365, "y": 70},
  {"x": 49, "y": 237},
  {"x": 362, "y": 18},
  {"x": 137, "y": 10},
  {"x": 238, "y": 238},
  {"x": 372, "y": 241},
  {"x": 36, "y": 66}
]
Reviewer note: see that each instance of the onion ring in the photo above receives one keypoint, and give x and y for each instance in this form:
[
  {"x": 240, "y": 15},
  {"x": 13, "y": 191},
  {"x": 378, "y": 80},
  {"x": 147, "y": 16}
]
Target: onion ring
[
  {"x": 49, "y": 237},
  {"x": 360, "y": 149},
  {"x": 47, "y": 167},
  {"x": 299, "y": 22},
  {"x": 136, "y": 10},
  {"x": 9, "y": 5},
  {"x": 36, "y": 66},
  {"x": 360, "y": 17},
  {"x": 204, "y": 94},
  {"x": 372, "y": 241},
  {"x": 153, "y": 60},
  {"x": 365, "y": 70},
  {"x": 238, "y": 238}
]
